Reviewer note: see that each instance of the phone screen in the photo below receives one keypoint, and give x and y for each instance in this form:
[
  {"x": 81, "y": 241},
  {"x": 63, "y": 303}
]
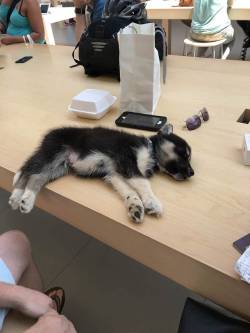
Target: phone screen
[
  {"x": 24, "y": 59},
  {"x": 140, "y": 119},
  {"x": 242, "y": 244}
]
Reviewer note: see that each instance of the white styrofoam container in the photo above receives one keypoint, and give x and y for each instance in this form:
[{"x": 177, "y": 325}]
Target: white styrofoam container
[
  {"x": 92, "y": 101},
  {"x": 246, "y": 149},
  {"x": 89, "y": 115}
]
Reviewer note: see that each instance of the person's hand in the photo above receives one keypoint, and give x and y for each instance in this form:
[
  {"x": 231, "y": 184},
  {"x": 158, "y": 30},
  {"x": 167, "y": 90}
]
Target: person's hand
[
  {"x": 52, "y": 322},
  {"x": 32, "y": 303}
]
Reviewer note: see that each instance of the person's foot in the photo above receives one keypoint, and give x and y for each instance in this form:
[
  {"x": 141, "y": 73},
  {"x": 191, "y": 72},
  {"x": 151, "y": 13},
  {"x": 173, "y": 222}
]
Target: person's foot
[{"x": 57, "y": 294}]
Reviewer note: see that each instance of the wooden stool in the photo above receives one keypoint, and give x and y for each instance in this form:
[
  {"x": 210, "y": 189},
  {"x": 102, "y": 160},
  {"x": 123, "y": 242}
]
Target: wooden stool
[{"x": 195, "y": 44}]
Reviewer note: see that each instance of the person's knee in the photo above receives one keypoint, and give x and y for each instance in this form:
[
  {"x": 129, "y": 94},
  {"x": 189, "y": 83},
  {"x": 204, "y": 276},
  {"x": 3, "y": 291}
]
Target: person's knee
[
  {"x": 15, "y": 241},
  {"x": 15, "y": 251}
]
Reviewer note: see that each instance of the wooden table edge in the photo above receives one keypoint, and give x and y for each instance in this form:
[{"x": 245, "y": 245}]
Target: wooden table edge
[{"x": 184, "y": 270}]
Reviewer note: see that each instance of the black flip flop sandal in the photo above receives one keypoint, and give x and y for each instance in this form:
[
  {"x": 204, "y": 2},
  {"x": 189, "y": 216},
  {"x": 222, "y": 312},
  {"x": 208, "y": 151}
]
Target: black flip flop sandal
[{"x": 59, "y": 301}]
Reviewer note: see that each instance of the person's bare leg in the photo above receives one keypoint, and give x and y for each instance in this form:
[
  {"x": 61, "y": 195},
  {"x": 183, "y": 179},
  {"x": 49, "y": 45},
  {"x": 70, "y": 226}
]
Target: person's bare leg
[
  {"x": 31, "y": 277},
  {"x": 80, "y": 18},
  {"x": 15, "y": 251}
]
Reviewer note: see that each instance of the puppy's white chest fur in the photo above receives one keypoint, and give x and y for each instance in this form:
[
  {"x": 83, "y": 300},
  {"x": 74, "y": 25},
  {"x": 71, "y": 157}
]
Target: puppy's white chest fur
[
  {"x": 92, "y": 164},
  {"x": 145, "y": 162}
]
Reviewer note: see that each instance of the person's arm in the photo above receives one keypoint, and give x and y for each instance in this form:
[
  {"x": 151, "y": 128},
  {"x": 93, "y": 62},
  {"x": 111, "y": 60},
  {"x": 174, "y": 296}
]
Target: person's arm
[
  {"x": 7, "y": 295},
  {"x": 35, "y": 19},
  {"x": 52, "y": 322},
  {"x": 8, "y": 39},
  {"x": 27, "y": 301}
]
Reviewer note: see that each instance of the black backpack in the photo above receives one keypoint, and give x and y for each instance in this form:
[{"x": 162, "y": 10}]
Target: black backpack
[
  {"x": 245, "y": 25},
  {"x": 160, "y": 41},
  {"x": 99, "y": 48}
]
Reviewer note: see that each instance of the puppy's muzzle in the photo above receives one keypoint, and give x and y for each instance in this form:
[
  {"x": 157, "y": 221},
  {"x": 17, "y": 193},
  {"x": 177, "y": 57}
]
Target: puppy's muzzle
[
  {"x": 184, "y": 174},
  {"x": 190, "y": 172}
]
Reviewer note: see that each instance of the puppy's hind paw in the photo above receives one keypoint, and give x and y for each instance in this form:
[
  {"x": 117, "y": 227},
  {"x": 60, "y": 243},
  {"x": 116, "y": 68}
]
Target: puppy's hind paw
[
  {"x": 135, "y": 210},
  {"x": 15, "y": 198},
  {"x": 153, "y": 207},
  {"x": 27, "y": 202}
]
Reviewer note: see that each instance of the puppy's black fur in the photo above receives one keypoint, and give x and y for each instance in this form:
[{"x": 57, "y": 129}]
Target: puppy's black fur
[
  {"x": 123, "y": 159},
  {"x": 119, "y": 146}
]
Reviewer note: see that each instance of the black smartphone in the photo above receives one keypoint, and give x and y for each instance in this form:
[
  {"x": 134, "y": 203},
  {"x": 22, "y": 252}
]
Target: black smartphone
[
  {"x": 242, "y": 244},
  {"x": 23, "y": 59},
  {"x": 141, "y": 121}
]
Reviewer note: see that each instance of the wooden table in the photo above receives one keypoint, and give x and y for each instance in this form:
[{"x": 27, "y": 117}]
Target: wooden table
[
  {"x": 55, "y": 14},
  {"x": 192, "y": 242},
  {"x": 162, "y": 10}
]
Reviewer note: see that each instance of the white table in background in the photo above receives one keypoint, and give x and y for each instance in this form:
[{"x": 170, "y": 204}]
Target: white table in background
[
  {"x": 164, "y": 10},
  {"x": 56, "y": 14}
]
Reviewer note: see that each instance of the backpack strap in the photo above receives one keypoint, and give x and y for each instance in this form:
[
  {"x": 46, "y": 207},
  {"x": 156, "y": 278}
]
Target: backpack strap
[
  {"x": 78, "y": 63},
  {"x": 12, "y": 7}
]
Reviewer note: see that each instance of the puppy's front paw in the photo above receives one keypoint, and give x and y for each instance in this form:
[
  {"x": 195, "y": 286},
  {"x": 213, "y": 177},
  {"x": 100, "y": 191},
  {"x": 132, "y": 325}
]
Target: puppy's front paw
[
  {"x": 15, "y": 198},
  {"x": 135, "y": 209},
  {"x": 153, "y": 206},
  {"x": 27, "y": 202}
]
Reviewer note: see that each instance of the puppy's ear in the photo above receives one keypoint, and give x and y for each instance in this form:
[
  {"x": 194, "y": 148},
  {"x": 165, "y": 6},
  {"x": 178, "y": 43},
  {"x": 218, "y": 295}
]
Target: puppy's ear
[{"x": 167, "y": 129}]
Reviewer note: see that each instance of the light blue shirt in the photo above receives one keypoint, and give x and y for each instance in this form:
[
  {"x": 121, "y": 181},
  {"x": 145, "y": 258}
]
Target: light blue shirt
[
  {"x": 5, "y": 276},
  {"x": 210, "y": 16}
]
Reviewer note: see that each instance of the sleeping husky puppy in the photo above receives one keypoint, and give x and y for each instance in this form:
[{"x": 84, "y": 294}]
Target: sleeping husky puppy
[{"x": 124, "y": 160}]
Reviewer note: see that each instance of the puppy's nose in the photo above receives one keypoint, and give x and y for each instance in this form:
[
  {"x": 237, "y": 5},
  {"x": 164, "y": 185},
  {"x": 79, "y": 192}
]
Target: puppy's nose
[{"x": 190, "y": 172}]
